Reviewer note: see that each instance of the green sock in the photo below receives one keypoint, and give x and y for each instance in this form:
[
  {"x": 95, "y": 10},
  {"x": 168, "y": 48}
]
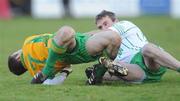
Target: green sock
[
  {"x": 53, "y": 56},
  {"x": 105, "y": 53},
  {"x": 100, "y": 71}
]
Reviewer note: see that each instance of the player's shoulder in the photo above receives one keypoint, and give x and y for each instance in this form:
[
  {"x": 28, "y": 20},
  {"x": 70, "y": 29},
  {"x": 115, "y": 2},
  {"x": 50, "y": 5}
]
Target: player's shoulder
[
  {"x": 39, "y": 36},
  {"x": 125, "y": 22}
]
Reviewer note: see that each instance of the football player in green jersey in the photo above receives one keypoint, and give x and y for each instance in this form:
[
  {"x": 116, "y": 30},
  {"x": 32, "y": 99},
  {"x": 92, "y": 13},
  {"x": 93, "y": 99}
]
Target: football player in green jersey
[{"x": 74, "y": 48}]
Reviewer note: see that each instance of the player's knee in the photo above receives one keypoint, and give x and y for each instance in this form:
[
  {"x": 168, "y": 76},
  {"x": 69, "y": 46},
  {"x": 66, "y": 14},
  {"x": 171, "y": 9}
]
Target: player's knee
[
  {"x": 116, "y": 38},
  {"x": 15, "y": 66},
  {"x": 64, "y": 34},
  {"x": 116, "y": 43},
  {"x": 148, "y": 50},
  {"x": 67, "y": 30}
]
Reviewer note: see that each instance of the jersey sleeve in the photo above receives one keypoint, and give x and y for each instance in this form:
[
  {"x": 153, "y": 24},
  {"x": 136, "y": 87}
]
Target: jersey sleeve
[
  {"x": 118, "y": 27},
  {"x": 114, "y": 29},
  {"x": 122, "y": 27}
]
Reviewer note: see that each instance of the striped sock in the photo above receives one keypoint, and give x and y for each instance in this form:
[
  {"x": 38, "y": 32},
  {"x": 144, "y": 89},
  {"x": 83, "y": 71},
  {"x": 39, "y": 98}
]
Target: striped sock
[{"x": 53, "y": 56}]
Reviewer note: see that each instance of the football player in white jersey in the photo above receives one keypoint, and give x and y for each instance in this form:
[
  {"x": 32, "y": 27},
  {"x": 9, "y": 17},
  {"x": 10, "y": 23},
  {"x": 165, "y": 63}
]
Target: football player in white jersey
[{"x": 145, "y": 61}]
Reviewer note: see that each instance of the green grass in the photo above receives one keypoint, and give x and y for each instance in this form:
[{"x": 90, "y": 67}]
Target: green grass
[{"x": 163, "y": 31}]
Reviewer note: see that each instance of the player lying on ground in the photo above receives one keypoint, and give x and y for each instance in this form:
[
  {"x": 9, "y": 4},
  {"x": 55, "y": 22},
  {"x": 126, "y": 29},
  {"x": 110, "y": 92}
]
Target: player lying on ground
[
  {"x": 144, "y": 60},
  {"x": 31, "y": 58},
  {"x": 51, "y": 53}
]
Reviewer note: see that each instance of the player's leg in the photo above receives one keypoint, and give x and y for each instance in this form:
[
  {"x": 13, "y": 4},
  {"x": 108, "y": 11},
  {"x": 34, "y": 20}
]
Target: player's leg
[
  {"x": 123, "y": 71},
  {"x": 134, "y": 75},
  {"x": 62, "y": 41},
  {"x": 154, "y": 57},
  {"x": 108, "y": 77},
  {"x": 65, "y": 38},
  {"x": 107, "y": 42}
]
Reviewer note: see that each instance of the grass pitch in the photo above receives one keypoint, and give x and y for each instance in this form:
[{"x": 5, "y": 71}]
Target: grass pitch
[{"x": 163, "y": 31}]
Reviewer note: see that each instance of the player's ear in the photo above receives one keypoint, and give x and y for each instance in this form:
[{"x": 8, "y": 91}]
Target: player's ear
[{"x": 15, "y": 65}]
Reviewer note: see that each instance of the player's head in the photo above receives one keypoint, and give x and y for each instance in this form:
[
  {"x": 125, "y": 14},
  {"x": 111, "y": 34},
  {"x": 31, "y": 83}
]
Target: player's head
[
  {"x": 14, "y": 63},
  {"x": 105, "y": 19}
]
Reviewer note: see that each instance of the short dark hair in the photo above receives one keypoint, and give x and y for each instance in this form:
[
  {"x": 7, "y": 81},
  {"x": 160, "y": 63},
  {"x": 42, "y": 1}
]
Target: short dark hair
[
  {"x": 105, "y": 13},
  {"x": 15, "y": 66}
]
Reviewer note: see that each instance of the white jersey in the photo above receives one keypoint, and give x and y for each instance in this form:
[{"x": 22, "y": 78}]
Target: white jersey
[{"x": 132, "y": 40}]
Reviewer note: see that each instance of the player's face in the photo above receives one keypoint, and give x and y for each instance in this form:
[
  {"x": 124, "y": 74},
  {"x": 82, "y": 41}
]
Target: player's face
[{"x": 104, "y": 23}]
